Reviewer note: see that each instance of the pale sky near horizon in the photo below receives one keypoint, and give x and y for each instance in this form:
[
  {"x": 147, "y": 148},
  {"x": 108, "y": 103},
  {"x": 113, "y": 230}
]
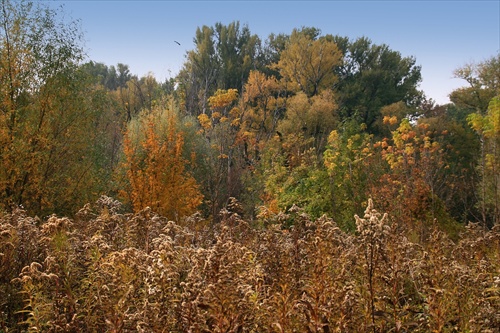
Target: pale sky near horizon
[{"x": 440, "y": 35}]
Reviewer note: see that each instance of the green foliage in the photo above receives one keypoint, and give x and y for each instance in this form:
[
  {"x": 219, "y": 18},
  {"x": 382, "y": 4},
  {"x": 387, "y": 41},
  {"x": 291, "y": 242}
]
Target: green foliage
[
  {"x": 482, "y": 85},
  {"x": 488, "y": 128},
  {"x": 223, "y": 59},
  {"x": 351, "y": 166},
  {"x": 373, "y": 76}
]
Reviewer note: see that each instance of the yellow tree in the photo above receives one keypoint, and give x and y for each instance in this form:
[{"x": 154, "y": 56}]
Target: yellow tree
[
  {"x": 264, "y": 105},
  {"x": 415, "y": 171},
  {"x": 488, "y": 127},
  {"x": 309, "y": 63},
  {"x": 219, "y": 127},
  {"x": 156, "y": 168}
]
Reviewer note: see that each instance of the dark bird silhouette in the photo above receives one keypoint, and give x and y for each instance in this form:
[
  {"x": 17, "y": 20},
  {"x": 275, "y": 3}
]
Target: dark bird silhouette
[{"x": 177, "y": 42}]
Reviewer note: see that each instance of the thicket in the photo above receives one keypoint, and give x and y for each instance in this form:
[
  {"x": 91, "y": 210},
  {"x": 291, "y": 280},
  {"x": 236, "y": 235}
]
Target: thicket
[{"x": 105, "y": 271}]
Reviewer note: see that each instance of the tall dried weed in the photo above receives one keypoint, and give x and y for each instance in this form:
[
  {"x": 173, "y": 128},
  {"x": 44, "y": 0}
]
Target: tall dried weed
[{"x": 105, "y": 271}]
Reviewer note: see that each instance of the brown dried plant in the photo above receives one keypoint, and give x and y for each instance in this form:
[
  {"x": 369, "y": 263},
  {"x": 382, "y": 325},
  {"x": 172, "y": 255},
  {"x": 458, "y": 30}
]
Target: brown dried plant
[{"x": 105, "y": 271}]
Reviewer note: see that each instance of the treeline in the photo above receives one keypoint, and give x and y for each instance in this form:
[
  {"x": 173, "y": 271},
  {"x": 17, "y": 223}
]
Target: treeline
[{"x": 320, "y": 121}]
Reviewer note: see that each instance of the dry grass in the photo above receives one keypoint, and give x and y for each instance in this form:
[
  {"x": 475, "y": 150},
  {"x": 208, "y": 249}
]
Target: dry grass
[{"x": 110, "y": 272}]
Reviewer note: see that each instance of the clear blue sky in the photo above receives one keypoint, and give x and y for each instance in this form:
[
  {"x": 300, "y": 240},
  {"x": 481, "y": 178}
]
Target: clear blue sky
[{"x": 441, "y": 35}]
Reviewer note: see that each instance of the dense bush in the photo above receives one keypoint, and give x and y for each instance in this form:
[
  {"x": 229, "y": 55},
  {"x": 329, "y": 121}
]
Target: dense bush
[{"x": 105, "y": 271}]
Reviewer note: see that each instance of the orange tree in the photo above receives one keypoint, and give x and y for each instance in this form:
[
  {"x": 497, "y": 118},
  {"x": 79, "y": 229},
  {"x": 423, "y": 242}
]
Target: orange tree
[{"x": 157, "y": 173}]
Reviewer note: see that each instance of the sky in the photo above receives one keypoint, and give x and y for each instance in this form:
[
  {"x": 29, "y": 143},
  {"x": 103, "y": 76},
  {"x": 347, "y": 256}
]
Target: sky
[{"x": 441, "y": 35}]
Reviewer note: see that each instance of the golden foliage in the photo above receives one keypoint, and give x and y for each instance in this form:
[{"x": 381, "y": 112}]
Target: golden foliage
[
  {"x": 156, "y": 169},
  {"x": 309, "y": 63}
]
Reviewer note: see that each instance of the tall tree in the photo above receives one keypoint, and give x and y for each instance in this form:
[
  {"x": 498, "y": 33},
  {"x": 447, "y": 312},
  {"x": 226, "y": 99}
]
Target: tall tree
[
  {"x": 479, "y": 100},
  {"x": 222, "y": 59},
  {"x": 220, "y": 130},
  {"x": 488, "y": 127},
  {"x": 483, "y": 83},
  {"x": 238, "y": 52},
  {"x": 48, "y": 112},
  {"x": 309, "y": 63},
  {"x": 373, "y": 76}
]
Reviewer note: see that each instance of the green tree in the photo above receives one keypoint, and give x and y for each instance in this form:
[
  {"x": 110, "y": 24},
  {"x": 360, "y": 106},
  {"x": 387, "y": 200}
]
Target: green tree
[
  {"x": 483, "y": 83},
  {"x": 238, "y": 53},
  {"x": 478, "y": 100},
  {"x": 488, "y": 127},
  {"x": 352, "y": 169},
  {"x": 222, "y": 59},
  {"x": 448, "y": 125},
  {"x": 371, "y": 77}
]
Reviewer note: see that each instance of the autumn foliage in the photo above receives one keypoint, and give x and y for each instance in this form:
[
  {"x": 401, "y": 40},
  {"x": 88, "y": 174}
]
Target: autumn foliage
[
  {"x": 156, "y": 169},
  {"x": 239, "y": 188}
]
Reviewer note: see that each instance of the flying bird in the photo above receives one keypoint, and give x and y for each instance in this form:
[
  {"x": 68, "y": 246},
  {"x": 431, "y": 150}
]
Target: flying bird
[{"x": 177, "y": 42}]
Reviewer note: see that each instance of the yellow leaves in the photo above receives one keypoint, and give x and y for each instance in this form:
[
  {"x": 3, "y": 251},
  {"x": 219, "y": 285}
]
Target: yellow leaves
[
  {"x": 236, "y": 122},
  {"x": 223, "y": 98},
  {"x": 235, "y": 112},
  {"x": 259, "y": 86},
  {"x": 390, "y": 120},
  {"x": 333, "y": 137},
  {"x": 309, "y": 63},
  {"x": 205, "y": 121}
]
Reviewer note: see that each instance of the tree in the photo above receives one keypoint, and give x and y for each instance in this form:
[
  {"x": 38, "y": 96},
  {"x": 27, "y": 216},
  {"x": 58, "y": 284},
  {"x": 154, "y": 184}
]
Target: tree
[
  {"x": 48, "y": 113},
  {"x": 488, "y": 127},
  {"x": 292, "y": 163},
  {"x": 220, "y": 129},
  {"x": 309, "y": 63},
  {"x": 157, "y": 173},
  {"x": 223, "y": 59},
  {"x": 483, "y": 83},
  {"x": 238, "y": 54},
  {"x": 371, "y": 77},
  {"x": 352, "y": 167},
  {"x": 414, "y": 164},
  {"x": 264, "y": 106},
  {"x": 479, "y": 101},
  {"x": 198, "y": 76}
]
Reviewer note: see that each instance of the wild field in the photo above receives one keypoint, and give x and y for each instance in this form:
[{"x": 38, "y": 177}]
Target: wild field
[{"x": 105, "y": 271}]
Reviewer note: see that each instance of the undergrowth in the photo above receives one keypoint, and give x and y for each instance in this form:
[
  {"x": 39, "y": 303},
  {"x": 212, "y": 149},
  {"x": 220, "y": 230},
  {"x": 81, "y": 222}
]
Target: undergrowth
[{"x": 105, "y": 271}]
